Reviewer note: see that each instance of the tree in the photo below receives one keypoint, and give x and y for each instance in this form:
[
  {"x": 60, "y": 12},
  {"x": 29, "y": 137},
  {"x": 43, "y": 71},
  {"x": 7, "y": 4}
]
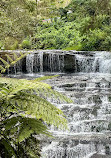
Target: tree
[
  {"x": 17, "y": 21},
  {"x": 24, "y": 113}
]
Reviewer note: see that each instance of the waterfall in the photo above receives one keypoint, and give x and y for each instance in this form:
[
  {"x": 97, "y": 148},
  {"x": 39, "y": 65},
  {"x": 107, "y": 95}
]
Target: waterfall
[
  {"x": 64, "y": 61},
  {"x": 41, "y": 61},
  {"x": 87, "y": 81},
  {"x": 37, "y": 62},
  {"x": 70, "y": 152},
  {"x": 99, "y": 62},
  {"x": 53, "y": 62},
  {"x": 19, "y": 66},
  {"x": 29, "y": 63},
  {"x": 88, "y": 118},
  {"x": 84, "y": 63},
  {"x": 104, "y": 62}
]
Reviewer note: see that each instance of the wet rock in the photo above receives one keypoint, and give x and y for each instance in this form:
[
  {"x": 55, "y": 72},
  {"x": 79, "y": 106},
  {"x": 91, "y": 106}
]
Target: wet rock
[{"x": 100, "y": 156}]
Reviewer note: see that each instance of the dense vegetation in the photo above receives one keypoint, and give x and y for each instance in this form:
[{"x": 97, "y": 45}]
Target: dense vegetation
[
  {"x": 78, "y": 24},
  {"x": 51, "y": 24}
]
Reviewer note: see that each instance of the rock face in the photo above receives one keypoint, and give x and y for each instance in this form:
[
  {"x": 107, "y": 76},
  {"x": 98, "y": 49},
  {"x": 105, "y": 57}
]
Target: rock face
[{"x": 85, "y": 77}]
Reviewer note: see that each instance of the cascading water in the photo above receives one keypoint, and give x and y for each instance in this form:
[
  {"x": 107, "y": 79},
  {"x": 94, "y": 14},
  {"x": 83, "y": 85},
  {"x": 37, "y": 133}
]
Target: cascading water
[
  {"x": 55, "y": 62},
  {"x": 99, "y": 62},
  {"x": 30, "y": 63},
  {"x": 39, "y": 62},
  {"x": 104, "y": 60},
  {"x": 84, "y": 63},
  {"x": 88, "y": 83},
  {"x": 63, "y": 61},
  {"x": 88, "y": 118},
  {"x": 49, "y": 61}
]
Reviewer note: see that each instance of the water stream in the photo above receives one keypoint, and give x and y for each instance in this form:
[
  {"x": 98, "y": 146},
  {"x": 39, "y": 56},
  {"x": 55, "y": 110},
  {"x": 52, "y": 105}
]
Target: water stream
[{"x": 85, "y": 77}]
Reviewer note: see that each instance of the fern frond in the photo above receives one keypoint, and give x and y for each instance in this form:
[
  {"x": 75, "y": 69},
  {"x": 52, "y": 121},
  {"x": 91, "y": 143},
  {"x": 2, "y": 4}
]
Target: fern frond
[
  {"x": 15, "y": 56},
  {"x": 31, "y": 97},
  {"x": 21, "y": 132},
  {"x": 21, "y": 54},
  {"x": 5, "y": 63},
  {"x": 27, "y": 126},
  {"x": 39, "y": 108},
  {"x": 7, "y": 147},
  {"x": 12, "y": 60},
  {"x": 2, "y": 68},
  {"x": 24, "y": 107},
  {"x": 30, "y": 126},
  {"x": 32, "y": 148},
  {"x": 24, "y": 133},
  {"x": 11, "y": 122},
  {"x": 9, "y": 58}
]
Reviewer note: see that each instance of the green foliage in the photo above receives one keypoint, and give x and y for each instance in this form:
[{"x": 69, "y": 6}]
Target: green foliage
[
  {"x": 23, "y": 108},
  {"x": 26, "y": 44},
  {"x": 94, "y": 40},
  {"x": 85, "y": 27},
  {"x": 45, "y": 77},
  {"x": 58, "y": 35},
  {"x": 13, "y": 59},
  {"x": 25, "y": 24},
  {"x": 10, "y": 43},
  {"x": 23, "y": 91},
  {"x": 25, "y": 111},
  {"x": 1, "y": 45},
  {"x": 17, "y": 21}
]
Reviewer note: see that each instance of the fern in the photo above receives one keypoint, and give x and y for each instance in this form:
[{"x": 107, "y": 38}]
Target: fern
[
  {"x": 29, "y": 96},
  {"x": 25, "y": 110},
  {"x": 9, "y": 150},
  {"x": 13, "y": 59},
  {"x": 23, "y": 127},
  {"x": 24, "y": 107}
]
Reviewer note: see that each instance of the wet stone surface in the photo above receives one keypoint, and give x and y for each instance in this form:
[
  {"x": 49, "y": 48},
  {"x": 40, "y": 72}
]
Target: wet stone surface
[{"x": 88, "y": 117}]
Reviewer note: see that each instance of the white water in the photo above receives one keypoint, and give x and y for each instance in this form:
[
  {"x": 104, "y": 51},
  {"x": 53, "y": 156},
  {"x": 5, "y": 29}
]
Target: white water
[
  {"x": 104, "y": 62},
  {"x": 99, "y": 62},
  {"x": 88, "y": 118},
  {"x": 54, "y": 62},
  {"x": 29, "y": 63},
  {"x": 89, "y": 86},
  {"x": 58, "y": 62}
]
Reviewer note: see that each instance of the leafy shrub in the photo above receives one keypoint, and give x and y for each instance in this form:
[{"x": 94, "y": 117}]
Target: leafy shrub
[
  {"x": 82, "y": 25},
  {"x": 10, "y": 43},
  {"x": 78, "y": 35},
  {"x": 26, "y": 44},
  {"x": 94, "y": 40},
  {"x": 57, "y": 38},
  {"x": 1, "y": 45}
]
